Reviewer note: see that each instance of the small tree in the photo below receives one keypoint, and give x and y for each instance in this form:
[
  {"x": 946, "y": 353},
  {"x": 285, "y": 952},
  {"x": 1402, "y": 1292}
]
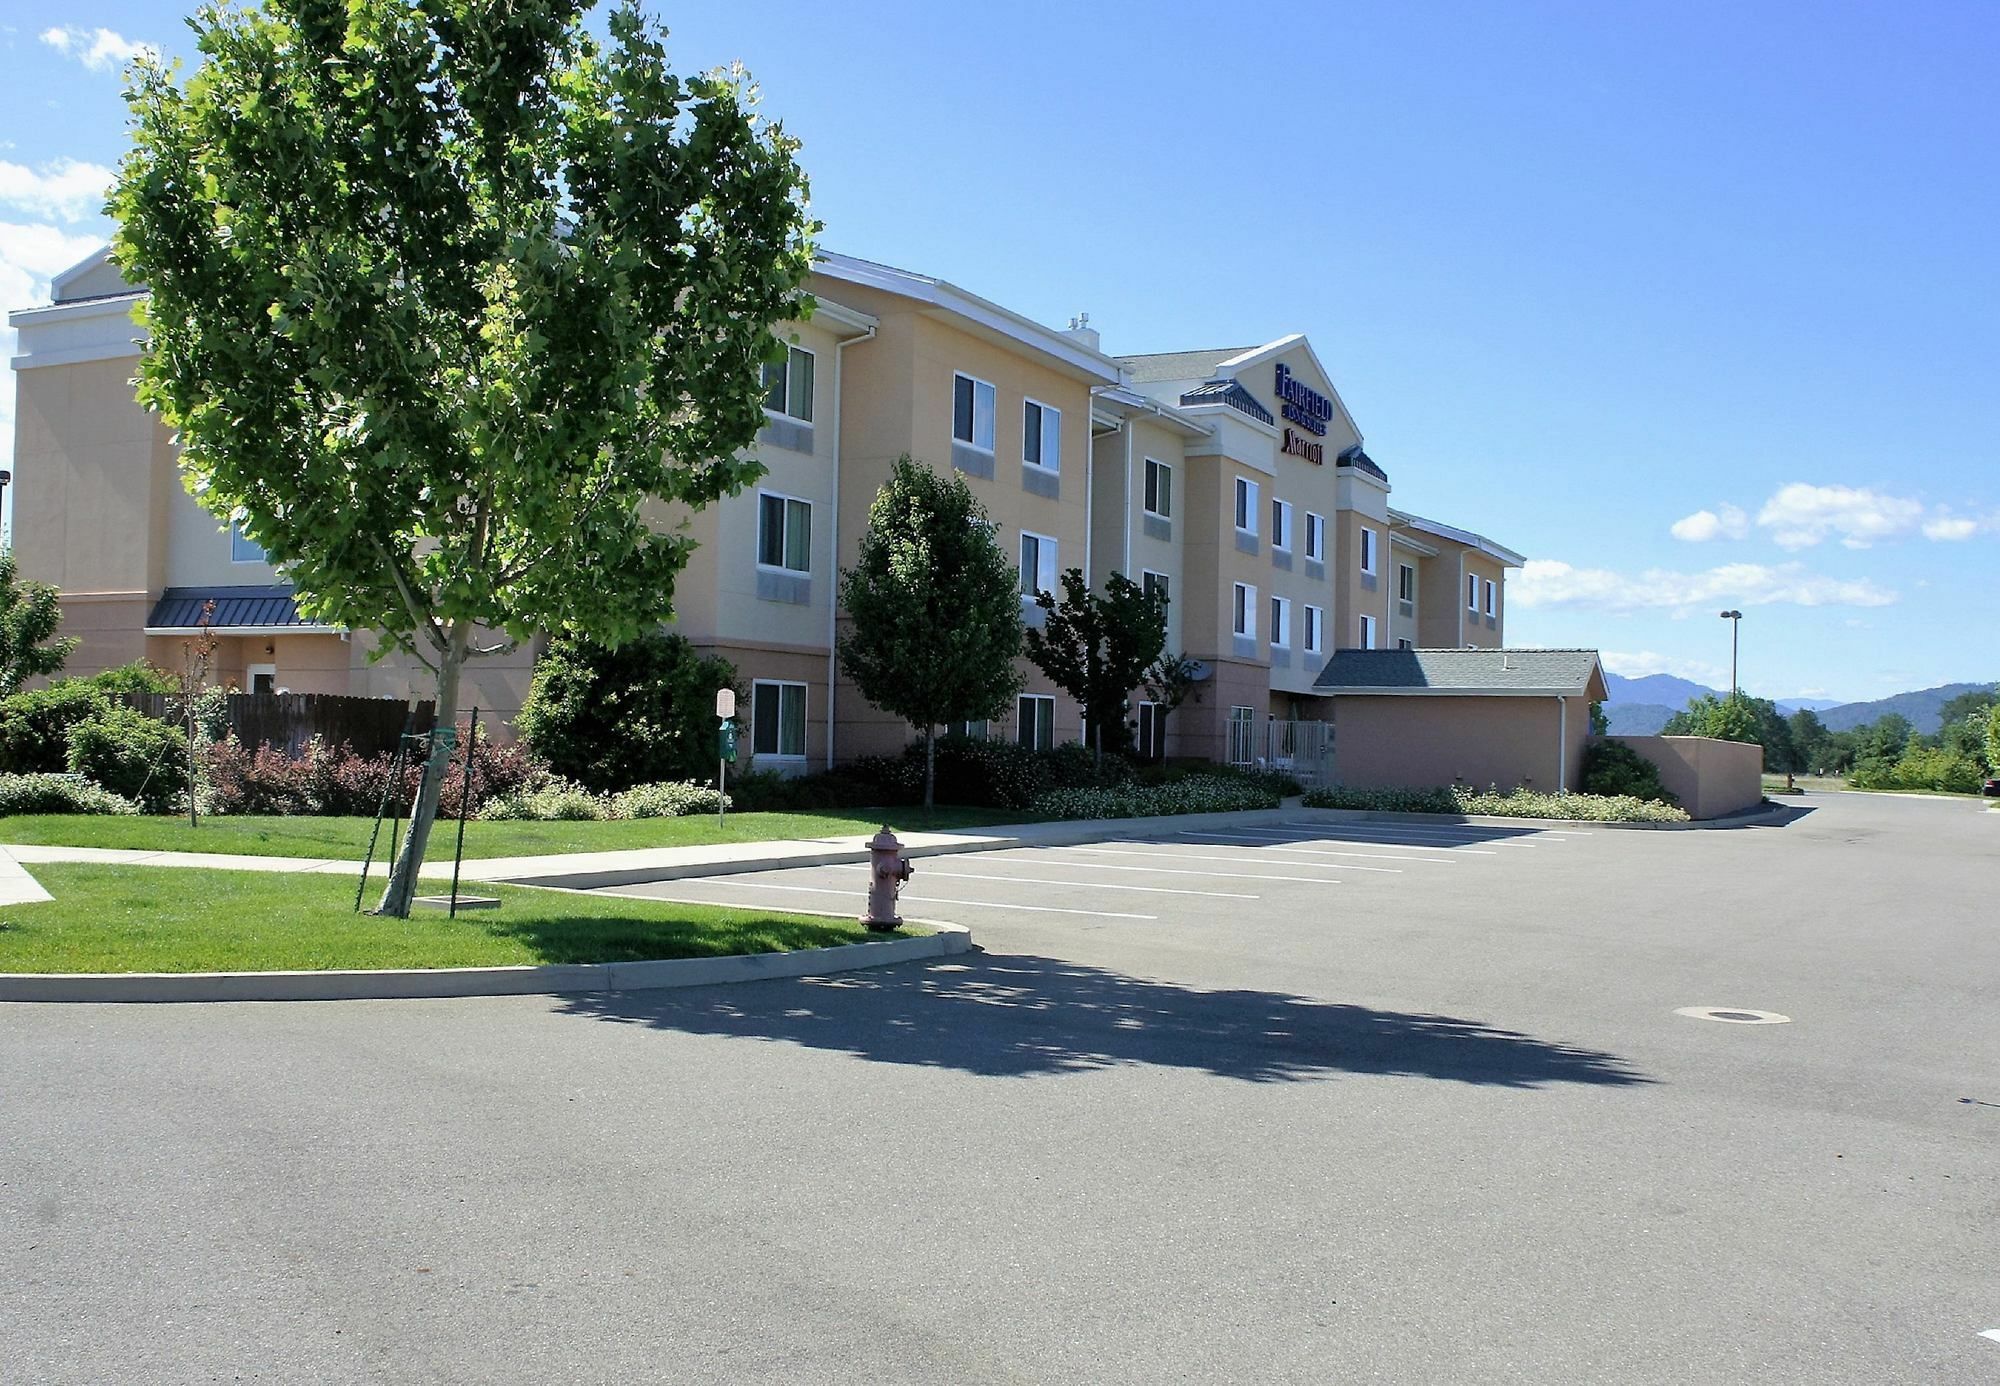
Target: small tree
[
  {"x": 1169, "y": 683},
  {"x": 29, "y": 615},
  {"x": 196, "y": 655},
  {"x": 1600, "y": 723},
  {"x": 1098, "y": 648},
  {"x": 934, "y": 608},
  {"x": 441, "y": 294}
]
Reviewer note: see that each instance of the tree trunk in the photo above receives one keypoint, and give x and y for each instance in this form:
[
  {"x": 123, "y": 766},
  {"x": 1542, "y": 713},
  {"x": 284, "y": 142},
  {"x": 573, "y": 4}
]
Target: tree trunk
[
  {"x": 402, "y": 887},
  {"x": 930, "y": 765},
  {"x": 1097, "y": 741}
]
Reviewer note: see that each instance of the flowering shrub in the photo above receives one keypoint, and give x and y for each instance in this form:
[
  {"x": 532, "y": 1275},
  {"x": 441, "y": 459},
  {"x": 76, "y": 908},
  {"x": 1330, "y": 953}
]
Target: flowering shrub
[
  {"x": 334, "y": 780},
  {"x": 1516, "y": 803},
  {"x": 561, "y": 801},
  {"x": 1384, "y": 800},
  {"x": 58, "y": 794},
  {"x": 1190, "y": 794},
  {"x": 667, "y": 799}
]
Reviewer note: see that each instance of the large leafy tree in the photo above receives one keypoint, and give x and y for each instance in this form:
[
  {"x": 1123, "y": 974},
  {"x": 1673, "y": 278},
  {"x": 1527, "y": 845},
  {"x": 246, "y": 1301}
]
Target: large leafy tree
[
  {"x": 1098, "y": 647},
  {"x": 29, "y": 616},
  {"x": 442, "y": 291},
  {"x": 1738, "y": 717},
  {"x": 933, "y": 608}
]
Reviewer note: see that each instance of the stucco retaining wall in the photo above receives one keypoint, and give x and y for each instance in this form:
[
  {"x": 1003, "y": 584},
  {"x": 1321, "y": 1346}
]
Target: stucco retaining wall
[{"x": 1710, "y": 778}]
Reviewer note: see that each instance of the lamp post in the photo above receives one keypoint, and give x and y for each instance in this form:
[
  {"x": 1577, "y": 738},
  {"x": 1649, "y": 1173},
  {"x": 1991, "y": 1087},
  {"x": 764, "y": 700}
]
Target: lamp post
[{"x": 1735, "y": 619}]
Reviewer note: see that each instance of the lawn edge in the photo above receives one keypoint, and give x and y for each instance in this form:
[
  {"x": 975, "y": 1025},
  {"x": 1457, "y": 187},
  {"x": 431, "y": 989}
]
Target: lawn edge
[{"x": 395, "y": 984}]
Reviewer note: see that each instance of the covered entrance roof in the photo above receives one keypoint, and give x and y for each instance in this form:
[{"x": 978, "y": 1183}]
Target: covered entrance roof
[{"x": 239, "y": 610}]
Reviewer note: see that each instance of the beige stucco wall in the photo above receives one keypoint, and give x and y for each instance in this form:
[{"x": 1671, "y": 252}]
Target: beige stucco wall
[
  {"x": 1417, "y": 742},
  {"x": 1710, "y": 778}
]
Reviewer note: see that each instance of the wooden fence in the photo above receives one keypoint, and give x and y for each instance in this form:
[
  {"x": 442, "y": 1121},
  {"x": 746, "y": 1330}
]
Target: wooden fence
[{"x": 289, "y": 720}]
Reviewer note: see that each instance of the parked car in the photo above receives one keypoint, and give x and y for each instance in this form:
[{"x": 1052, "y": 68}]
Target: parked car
[{"x": 1991, "y": 789}]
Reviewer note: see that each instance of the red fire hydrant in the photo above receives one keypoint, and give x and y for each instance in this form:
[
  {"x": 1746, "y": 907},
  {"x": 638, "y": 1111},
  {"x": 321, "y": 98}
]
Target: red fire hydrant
[{"x": 885, "y": 880}]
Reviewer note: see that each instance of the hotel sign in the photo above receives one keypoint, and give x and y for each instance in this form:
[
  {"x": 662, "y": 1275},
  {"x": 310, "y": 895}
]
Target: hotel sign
[{"x": 1310, "y": 410}]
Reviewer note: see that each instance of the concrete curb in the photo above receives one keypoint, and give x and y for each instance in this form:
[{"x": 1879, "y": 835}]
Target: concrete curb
[
  {"x": 1768, "y": 813},
  {"x": 432, "y": 983}
]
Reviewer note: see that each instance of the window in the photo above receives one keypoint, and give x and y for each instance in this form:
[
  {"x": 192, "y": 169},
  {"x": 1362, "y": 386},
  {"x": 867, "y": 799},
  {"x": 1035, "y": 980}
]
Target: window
[
  {"x": 1315, "y": 537},
  {"x": 262, "y": 678},
  {"x": 1246, "y": 505},
  {"x": 1367, "y": 632},
  {"x": 784, "y": 533},
  {"x": 1038, "y": 564},
  {"x": 1492, "y": 600},
  {"x": 1152, "y": 732},
  {"x": 1041, "y": 436},
  {"x": 1281, "y": 524},
  {"x": 1242, "y": 746},
  {"x": 1406, "y": 583},
  {"x": 778, "y": 719},
  {"x": 788, "y": 385},
  {"x": 1368, "y": 550},
  {"x": 976, "y": 731},
  {"x": 972, "y": 412},
  {"x": 1404, "y": 645},
  {"x": 1159, "y": 489},
  {"x": 1151, "y": 582},
  {"x": 242, "y": 548},
  {"x": 1035, "y": 721},
  {"x": 1471, "y": 593},
  {"x": 1281, "y": 623},
  {"x": 1244, "y": 622},
  {"x": 1315, "y": 628}
]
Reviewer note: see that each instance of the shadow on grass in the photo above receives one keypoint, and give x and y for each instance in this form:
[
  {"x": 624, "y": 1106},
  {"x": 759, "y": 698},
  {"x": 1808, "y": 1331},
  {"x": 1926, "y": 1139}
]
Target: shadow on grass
[
  {"x": 564, "y": 938},
  {"x": 1021, "y": 1016}
]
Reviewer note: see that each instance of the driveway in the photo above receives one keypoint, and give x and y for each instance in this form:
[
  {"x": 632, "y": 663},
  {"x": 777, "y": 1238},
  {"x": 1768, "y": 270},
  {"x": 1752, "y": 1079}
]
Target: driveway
[{"x": 1393, "y": 1105}]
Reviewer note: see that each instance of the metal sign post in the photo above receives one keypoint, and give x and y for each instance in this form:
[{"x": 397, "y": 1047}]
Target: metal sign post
[{"x": 725, "y": 749}]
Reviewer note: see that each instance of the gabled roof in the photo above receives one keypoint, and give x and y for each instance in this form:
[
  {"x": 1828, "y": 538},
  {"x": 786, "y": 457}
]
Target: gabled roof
[
  {"x": 1506, "y": 556},
  {"x": 1177, "y": 365},
  {"x": 271, "y": 607},
  {"x": 1465, "y": 673}
]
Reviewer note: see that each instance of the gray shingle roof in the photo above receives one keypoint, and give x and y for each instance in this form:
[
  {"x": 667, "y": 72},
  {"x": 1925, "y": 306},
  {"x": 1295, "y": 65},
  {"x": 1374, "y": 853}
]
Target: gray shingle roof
[
  {"x": 179, "y": 608},
  {"x": 1177, "y": 365},
  {"x": 1569, "y": 672}
]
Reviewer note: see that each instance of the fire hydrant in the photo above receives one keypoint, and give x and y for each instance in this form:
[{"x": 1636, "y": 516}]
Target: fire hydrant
[{"x": 885, "y": 881}]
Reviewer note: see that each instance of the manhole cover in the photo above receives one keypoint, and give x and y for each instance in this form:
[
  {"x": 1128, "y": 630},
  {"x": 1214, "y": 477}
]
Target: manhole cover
[{"x": 1733, "y": 1017}]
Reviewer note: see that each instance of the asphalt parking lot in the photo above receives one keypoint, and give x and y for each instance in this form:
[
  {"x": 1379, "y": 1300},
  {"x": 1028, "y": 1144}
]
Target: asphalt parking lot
[{"x": 1396, "y": 1106}]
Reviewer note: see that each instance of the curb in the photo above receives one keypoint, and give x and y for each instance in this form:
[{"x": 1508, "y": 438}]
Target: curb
[
  {"x": 434, "y": 983},
  {"x": 1767, "y": 813}
]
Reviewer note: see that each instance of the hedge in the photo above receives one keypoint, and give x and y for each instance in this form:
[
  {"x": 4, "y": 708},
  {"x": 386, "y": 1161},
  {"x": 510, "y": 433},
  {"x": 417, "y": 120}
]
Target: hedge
[
  {"x": 58, "y": 794},
  {"x": 1517, "y": 803}
]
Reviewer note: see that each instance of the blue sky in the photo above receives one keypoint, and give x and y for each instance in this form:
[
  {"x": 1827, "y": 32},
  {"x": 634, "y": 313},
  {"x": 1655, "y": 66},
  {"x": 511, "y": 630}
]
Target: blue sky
[{"x": 1694, "y": 304}]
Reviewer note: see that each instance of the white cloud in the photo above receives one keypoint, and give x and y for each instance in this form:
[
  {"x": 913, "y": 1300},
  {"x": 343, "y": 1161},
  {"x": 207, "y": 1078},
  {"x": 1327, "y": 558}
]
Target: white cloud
[
  {"x": 66, "y": 189},
  {"x": 1636, "y": 664},
  {"x": 1550, "y": 583},
  {"x": 1724, "y": 522},
  {"x": 1953, "y": 528},
  {"x": 1800, "y": 515},
  {"x": 100, "y": 50}
]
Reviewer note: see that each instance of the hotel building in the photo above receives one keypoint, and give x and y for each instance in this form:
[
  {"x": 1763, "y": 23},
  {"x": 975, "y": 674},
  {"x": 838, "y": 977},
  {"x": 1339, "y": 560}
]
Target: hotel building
[{"x": 1235, "y": 479}]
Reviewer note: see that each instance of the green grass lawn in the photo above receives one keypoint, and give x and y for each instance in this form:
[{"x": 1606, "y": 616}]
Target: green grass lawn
[
  {"x": 172, "y": 919},
  {"x": 345, "y": 839}
]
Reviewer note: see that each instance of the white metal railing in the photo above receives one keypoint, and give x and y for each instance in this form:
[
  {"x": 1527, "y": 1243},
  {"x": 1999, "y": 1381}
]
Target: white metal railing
[{"x": 1303, "y": 750}]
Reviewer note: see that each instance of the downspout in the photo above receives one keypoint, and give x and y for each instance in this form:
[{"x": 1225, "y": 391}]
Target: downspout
[
  {"x": 1125, "y": 520},
  {"x": 833, "y": 575},
  {"x": 1562, "y": 745}
]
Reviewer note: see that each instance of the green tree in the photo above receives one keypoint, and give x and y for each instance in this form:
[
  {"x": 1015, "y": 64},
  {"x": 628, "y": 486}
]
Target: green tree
[
  {"x": 441, "y": 292},
  {"x": 614, "y": 718},
  {"x": 1993, "y": 740},
  {"x": 934, "y": 608},
  {"x": 1600, "y": 722},
  {"x": 1738, "y": 717},
  {"x": 1170, "y": 682},
  {"x": 1097, "y": 648},
  {"x": 1885, "y": 738},
  {"x": 1812, "y": 743},
  {"x": 1972, "y": 704},
  {"x": 29, "y": 615}
]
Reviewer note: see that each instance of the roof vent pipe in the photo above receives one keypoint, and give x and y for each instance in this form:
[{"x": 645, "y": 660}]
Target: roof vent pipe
[{"x": 1079, "y": 329}]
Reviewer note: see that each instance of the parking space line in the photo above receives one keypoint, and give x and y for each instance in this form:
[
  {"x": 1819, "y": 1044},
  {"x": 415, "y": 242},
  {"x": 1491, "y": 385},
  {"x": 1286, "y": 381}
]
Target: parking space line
[
  {"x": 1434, "y": 837},
  {"x": 724, "y": 883},
  {"x": 1314, "y": 851},
  {"x": 1183, "y": 871},
  {"x": 1080, "y": 885},
  {"x": 1505, "y": 834}
]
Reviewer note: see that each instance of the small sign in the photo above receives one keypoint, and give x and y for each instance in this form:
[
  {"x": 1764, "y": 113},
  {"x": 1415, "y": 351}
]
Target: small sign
[
  {"x": 725, "y": 702},
  {"x": 726, "y": 741}
]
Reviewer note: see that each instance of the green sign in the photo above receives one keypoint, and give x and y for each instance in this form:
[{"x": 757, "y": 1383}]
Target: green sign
[{"x": 726, "y": 741}]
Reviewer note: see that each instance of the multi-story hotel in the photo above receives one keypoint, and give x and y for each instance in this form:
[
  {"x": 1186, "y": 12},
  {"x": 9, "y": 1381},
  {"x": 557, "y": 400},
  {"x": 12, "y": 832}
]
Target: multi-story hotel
[{"x": 1235, "y": 479}]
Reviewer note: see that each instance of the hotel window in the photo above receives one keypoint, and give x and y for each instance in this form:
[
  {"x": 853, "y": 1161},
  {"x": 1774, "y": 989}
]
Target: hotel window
[
  {"x": 1492, "y": 600},
  {"x": 1244, "y": 618},
  {"x": 1035, "y": 721},
  {"x": 1471, "y": 593},
  {"x": 1151, "y": 582},
  {"x": 972, "y": 412},
  {"x": 784, "y": 533},
  {"x": 788, "y": 385},
  {"x": 1152, "y": 732},
  {"x": 1406, "y": 583},
  {"x": 1041, "y": 436},
  {"x": 975, "y": 731},
  {"x": 1367, "y": 550},
  {"x": 1281, "y": 524},
  {"x": 1159, "y": 489},
  {"x": 1038, "y": 564},
  {"x": 242, "y": 548},
  {"x": 1246, "y": 505},
  {"x": 1281, "y": 623},
  {"x": 778, "y": 719},
  {"x": 1404, "y": 645},
  {"x": 1315, "y": 537},
  {"x": 1315, "y": 628},
  {"x": 1367, "y": 632}
]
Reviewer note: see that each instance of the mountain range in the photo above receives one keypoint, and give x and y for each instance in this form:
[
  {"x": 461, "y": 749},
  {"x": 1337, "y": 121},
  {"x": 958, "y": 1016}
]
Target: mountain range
[{"x": 1641, "y": 706}]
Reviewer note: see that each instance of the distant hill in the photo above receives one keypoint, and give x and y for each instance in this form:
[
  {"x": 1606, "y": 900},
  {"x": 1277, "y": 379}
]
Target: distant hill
[
  {"x": 1663, "y": 689},
  {"x": 1921, "y": 707},
  {"x": 1640, "y": 707},
  {"x": 1791, "y": 705},
  {"x": 1637, "y": 719}
]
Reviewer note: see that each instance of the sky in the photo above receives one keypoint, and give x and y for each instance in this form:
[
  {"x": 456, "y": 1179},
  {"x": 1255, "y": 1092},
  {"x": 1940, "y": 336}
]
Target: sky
[{"x": 1693, "y": 304}]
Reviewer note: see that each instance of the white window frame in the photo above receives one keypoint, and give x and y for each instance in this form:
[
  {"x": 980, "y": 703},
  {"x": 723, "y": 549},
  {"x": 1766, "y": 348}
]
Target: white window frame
[
  {"x": 1033, "y": 741},
  {"x": 966, "y": 729},
  {"x": 1281, "y": 622},
  {"x": 1045, "y": 563},
  {"x": 1492, "y": 597},
  {"x": 251, "y": 671},
  {"x": 1153, "y": 577},
  {"x": 1315, "y": 628},
  {"x": 787, "y": 413},
  {"x": 1051, "y": 433},
  {"x": 783, "y": 546},
  {"x": 239, "y": 540},
  {"x": 1281, "y": 525},
  {"x": 1411, "y": 595},
  {"x": 1162, "y": 490},
  {"x": 1369, "y": 557},
  {"x": 1315, "y": 537},
  {"x": 805, "y": 719},
  {"x": 992, "y": 398},
  {"x": 1159, "y": 729},
  {"x": 1243, "y": 610},
  {"x": 1369, "y": 631},
  {"x": 1246, "y": 501},
  {"x": 1472, "y": 592}
]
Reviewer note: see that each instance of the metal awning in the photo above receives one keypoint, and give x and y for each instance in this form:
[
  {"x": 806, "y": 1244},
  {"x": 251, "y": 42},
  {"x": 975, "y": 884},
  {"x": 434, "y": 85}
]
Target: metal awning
[{"x": 241, "y": 610}]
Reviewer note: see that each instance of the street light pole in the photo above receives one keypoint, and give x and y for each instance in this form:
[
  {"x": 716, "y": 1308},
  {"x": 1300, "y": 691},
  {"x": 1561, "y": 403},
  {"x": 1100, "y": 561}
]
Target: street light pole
[{"x": 1735, "y": 619}]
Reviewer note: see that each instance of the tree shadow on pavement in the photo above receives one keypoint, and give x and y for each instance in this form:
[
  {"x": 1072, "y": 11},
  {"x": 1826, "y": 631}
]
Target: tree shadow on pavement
[{"x": 1021, "y": 1016}]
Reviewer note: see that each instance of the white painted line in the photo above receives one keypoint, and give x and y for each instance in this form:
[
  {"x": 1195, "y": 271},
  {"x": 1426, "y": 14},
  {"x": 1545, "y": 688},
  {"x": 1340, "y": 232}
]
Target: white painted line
[
  {"x": 1431, "y": 837},
  {"x": 1235, "y": 861},
  {"x": 1487, "y": 828},
  {"x": 1318, "y": 852},
  {"x": 1993, "y": 1333},
  {"x": 1080, "y": 885},
  {"x": 724, "y": 882}
]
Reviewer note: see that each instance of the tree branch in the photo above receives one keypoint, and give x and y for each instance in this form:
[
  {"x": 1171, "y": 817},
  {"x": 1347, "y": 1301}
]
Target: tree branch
[{"x": 423, "y": 619}]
